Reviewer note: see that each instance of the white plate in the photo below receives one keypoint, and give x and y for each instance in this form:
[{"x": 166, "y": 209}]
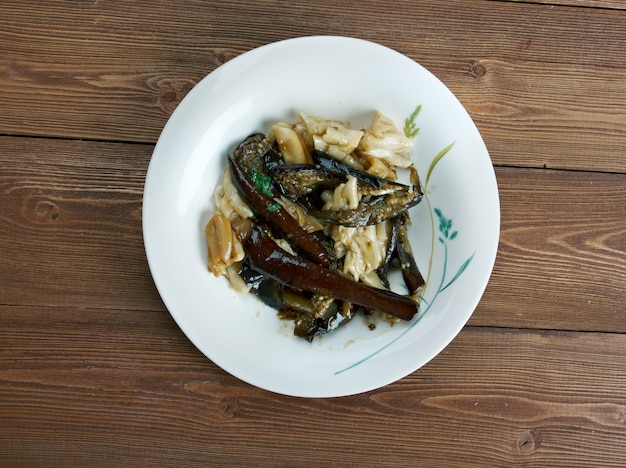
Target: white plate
[{"x": 337, "y": 78}]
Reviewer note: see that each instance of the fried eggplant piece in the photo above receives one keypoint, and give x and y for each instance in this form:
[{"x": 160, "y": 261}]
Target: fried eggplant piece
[
  {"x": 371, "y": 211},
  {"x": 410, "y": 272},
  {"x": 261, "y": 200},
  {"x": 296, "y": 181},
  {"x": 369, "y": 184},
  {"x": 300, "y": 274},
  {"x": 257, "y": 154},
  {"x": 390, "y": 252},
  {"x": 382, "y": 199},
  {"x": 308, "y": 326},
  {"x": 268, "y": 290}
]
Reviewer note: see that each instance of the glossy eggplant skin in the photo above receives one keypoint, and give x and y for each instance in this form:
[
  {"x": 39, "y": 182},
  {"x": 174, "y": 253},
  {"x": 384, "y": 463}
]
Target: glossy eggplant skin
[
  {"x": 382, "y": 199},
  {"x": 278, "y": 218},
  {"x": 300, "y": 274},
  {"x": 390, "y": 252},
  {"x": 399, "y": 253},
  {"x": 257, "y": 153},
  {"x": 373, "y": 211},
  {"x": 298, "y": 180},
  {"x": 368, "y": 183},
  {"x": 268, "y": 290},
  {"x": 309, "y": 326},
  {"x": 410, "y": 272}
]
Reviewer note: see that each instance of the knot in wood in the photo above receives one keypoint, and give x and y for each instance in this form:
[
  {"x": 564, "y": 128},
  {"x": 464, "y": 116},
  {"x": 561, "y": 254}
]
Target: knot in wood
[
  {"x": 528, "y": 442},
  {"x": 46, "y": 211},
  {"x": 478, "y": 70},
  {"x": 230, "y": 408},
  {"x": 172, "y": 93},
  {"x": 169, "y": 96}
]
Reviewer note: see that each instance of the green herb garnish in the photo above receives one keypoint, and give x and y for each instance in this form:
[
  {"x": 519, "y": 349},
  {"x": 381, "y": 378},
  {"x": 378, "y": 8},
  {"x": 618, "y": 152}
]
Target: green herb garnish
[
  {"x": 410, "y": 129},
  {"x": 262, "y": 181}
]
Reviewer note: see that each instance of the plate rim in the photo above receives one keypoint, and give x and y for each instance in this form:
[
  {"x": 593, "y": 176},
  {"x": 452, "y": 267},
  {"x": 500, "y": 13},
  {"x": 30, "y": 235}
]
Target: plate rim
[{"x": 146, "y": 214}]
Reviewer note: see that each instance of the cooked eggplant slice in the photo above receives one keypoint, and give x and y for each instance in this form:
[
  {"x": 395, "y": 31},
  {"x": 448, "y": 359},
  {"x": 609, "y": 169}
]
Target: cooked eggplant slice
[
  {"x": 278, "y": 218},
  {"x": 390, "y": 252},
  {"x": 381, "y": 198},
  {"x": 369, "y": 184},
  {"x": 300, "y": 274},
  {"x": 308, "y": 326},
  {"x": 296, "y": 181},
  {"x": 257, "y": 154},
  {"x": 267, "y": 289},
  {"x": 410, "y": 272},
  {"x": 371, "y": 211}
]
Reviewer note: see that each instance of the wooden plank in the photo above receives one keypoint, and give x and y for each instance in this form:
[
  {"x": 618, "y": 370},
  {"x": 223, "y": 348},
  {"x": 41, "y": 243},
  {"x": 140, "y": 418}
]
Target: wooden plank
[
  {"x": 71, "y": 218},
  {"x": 562, "y": 256},
  {"x": 534, "y": 78},
  {"x": 125, "y": 387},
  {"x": 611, "y": 4},
  {"x": 521, "y": 128}
]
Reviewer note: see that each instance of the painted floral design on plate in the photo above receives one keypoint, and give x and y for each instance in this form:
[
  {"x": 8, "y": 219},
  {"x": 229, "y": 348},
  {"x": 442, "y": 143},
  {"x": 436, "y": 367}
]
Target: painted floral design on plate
[{"x": 446, "y": 233}]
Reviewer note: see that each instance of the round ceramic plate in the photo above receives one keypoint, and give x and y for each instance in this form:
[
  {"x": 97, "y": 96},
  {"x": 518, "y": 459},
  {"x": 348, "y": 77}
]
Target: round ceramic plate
[{"x": 454, "y": 233}]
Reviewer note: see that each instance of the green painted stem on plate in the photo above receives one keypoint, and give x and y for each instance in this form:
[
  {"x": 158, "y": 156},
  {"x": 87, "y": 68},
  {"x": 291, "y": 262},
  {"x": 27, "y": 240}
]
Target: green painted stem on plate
[
  {"x": 442, "y": 286},
  {"x": 432, "y": 242},
  {"x": 445, "y": 225}
]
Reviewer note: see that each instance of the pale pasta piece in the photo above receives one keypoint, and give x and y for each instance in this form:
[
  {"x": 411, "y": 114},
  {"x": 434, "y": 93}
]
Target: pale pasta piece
[
  {"x": 224, "y": 246},
  {"x": 363, "y": 248},
  {"x": 383, "y": 140},
  {"x": 235, "y": 280},
  {"x": 290, "y": 143},
  {"x": 306, "y": 221},
  {"x": 372, "y": 279},
  {"x": 228, "y": 200},
  {"x": 378, "y": 168},
  {"x": 346, "y": 196},
  {"x": 333, "y": 138},
  {"x": 220, "y": 243}
]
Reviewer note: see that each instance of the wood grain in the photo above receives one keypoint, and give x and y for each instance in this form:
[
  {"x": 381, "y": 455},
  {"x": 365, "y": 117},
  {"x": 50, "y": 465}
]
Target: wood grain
[
  {"x": 532, "y": 76},
  {"x": 612, "y": 4},
  {"x": 71, "y": 220},
  {"x": 95, "y": 372},
  {"x": 562, "y": 256},
  {"x": 126, "y": 387}
]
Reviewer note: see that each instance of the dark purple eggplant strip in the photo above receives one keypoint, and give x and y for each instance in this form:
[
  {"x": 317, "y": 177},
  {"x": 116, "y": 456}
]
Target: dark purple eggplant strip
[
  {"x": 278, "y": 218},
  {"x": 266, "y": 257},
  {"x": 410, "y": 272},
  {"x": 374, "y": 211},
  {"x": 390, "y": 252},
  {"x": 327, "y": 162}
]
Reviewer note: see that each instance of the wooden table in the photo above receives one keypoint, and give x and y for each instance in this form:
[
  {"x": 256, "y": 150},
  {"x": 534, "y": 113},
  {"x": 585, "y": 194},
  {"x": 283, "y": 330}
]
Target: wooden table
[{"x": 94, "y": 371}]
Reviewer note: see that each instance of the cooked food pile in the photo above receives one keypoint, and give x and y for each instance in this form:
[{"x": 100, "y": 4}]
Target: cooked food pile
[{"x": 312, "y": 219}]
